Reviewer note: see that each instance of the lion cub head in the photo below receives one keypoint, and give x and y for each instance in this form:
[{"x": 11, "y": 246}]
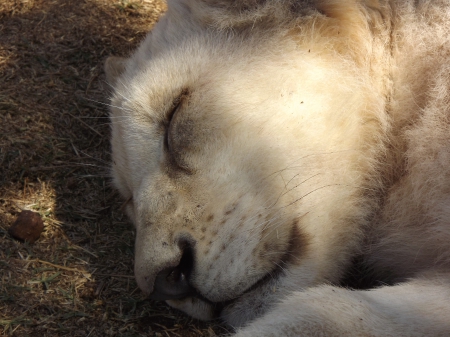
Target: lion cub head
[{"x": 241, "y": 145}]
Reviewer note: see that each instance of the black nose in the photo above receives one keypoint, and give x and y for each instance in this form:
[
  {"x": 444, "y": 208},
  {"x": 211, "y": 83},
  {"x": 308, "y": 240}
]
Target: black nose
[{"x": 173, "y": 283}]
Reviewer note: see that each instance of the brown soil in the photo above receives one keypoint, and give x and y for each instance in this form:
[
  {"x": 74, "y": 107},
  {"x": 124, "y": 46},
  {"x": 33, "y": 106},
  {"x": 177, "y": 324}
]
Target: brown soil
[{"x": 77, "y": 279}]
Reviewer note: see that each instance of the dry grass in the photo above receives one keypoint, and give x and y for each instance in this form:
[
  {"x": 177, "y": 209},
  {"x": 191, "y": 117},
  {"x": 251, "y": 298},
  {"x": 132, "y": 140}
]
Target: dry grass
[{"x": 76, "y": 280}]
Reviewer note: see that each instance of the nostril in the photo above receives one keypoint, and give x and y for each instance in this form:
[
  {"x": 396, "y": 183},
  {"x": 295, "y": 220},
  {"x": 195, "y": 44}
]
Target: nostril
[
  {"x": 187, "y": 262},
  {"x": 173, "y": 283}
]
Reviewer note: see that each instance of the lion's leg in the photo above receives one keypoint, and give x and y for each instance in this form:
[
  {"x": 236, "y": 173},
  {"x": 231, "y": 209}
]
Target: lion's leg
[{"x": 416, "y": 308}]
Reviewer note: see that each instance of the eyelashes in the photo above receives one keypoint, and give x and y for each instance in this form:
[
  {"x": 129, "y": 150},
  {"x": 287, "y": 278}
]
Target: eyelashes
[
  {"x": 170, "y": 117},
  {"x": 173, "y": 151},
  {"x": 182, "y": 97}
]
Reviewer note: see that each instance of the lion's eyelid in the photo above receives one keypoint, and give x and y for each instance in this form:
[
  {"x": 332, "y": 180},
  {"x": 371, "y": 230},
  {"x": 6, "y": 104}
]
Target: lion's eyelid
[{"x": 177, "y": 103}]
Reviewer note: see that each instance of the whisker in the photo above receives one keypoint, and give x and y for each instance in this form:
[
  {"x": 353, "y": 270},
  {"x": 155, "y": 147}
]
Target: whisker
[
  {"x": 315, "y": 190},
  {"x": 110, "y": 105},
  {"x": 97, "y": 159},
  {"x": 289, "y": 167},
  {"x": 282, "y": 194}
]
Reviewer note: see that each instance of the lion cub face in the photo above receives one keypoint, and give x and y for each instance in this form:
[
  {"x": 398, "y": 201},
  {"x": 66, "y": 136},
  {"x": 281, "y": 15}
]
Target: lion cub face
[
  {"x": 209, "y": 174},
  {"x": 231, "y": 153}
]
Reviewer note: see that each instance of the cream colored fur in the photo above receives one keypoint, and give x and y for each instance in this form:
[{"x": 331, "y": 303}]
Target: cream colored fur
[{"x": 289, "y": 144}]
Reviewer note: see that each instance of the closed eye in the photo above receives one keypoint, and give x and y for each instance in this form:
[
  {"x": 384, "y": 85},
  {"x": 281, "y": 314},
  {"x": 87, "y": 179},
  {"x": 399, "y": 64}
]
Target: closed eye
[
  {"x": 173, "y": 154},
  {"x": 169, "y": 118}
]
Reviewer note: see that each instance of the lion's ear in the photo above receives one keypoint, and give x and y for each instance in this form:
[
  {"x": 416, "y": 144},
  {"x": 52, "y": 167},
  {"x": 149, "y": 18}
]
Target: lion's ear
[
  {"x": 356, "y": 22},
  {"x": 114, "y": 67},
  {"x": 355, "y": 14},
  {"x": 346, "y": 9},
  {"x": 225, "y": 14}
]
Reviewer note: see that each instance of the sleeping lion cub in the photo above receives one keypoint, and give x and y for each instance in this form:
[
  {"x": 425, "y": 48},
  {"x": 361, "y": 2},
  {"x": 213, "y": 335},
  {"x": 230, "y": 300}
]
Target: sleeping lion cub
[{"x": 287, "y": 164}]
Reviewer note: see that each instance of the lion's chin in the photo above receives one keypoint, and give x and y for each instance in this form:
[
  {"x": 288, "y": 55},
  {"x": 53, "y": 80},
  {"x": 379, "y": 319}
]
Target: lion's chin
[
  {"x": 203, "y": 309},
  {"x": 196, "y": 308}
]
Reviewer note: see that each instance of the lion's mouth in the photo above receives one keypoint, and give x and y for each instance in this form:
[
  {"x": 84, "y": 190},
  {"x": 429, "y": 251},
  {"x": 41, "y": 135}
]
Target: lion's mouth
[
  {"x": 292, "y": 254},
  {"x": 173, "y": 283},
  {"x": 270, "y": 277},
  {"x": 176, "y": 286},
  {"x": 264, "y": 282},
  {"x": 219, "y": 306}
]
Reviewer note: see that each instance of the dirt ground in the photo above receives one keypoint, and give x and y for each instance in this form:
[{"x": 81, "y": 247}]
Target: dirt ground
[{"x": 77, "y": 279}]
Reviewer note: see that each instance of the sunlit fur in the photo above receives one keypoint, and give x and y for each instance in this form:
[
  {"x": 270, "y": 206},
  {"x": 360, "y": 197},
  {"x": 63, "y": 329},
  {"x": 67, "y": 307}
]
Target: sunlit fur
[{"x": 310, "y": 141}]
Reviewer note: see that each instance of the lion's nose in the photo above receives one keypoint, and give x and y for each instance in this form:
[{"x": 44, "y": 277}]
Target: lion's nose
[{"x": 173, "y": 283}]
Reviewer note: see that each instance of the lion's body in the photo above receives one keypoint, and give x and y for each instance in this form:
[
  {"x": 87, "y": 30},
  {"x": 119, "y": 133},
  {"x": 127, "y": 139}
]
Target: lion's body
[{"x": 268, "y": 145}]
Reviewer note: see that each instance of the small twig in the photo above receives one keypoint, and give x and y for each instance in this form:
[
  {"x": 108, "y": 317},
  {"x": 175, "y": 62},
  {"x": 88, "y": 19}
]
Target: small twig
[
  {"x": 84, "y": 249},
  {"x": 85, "y": 124},
  {"x": 57, "y": 266},
  {"x": 45, "y": 168},
  {"x": 125, "y": 203},
  {"x": 114, "y": 275},
  {"x": 90, "y": 82}
]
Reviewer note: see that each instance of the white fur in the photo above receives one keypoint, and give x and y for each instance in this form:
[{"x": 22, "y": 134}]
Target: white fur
[{"x": 312, "y": 132}]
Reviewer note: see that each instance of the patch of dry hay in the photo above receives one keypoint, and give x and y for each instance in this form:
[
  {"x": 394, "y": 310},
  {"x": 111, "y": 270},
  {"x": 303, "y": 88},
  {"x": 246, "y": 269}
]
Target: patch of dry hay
[{"x": 76, "y": 280}]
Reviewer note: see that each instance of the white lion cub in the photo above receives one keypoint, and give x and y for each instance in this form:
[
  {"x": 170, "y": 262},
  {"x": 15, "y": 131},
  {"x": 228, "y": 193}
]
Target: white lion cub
[{"x": 287, "y": 164}]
